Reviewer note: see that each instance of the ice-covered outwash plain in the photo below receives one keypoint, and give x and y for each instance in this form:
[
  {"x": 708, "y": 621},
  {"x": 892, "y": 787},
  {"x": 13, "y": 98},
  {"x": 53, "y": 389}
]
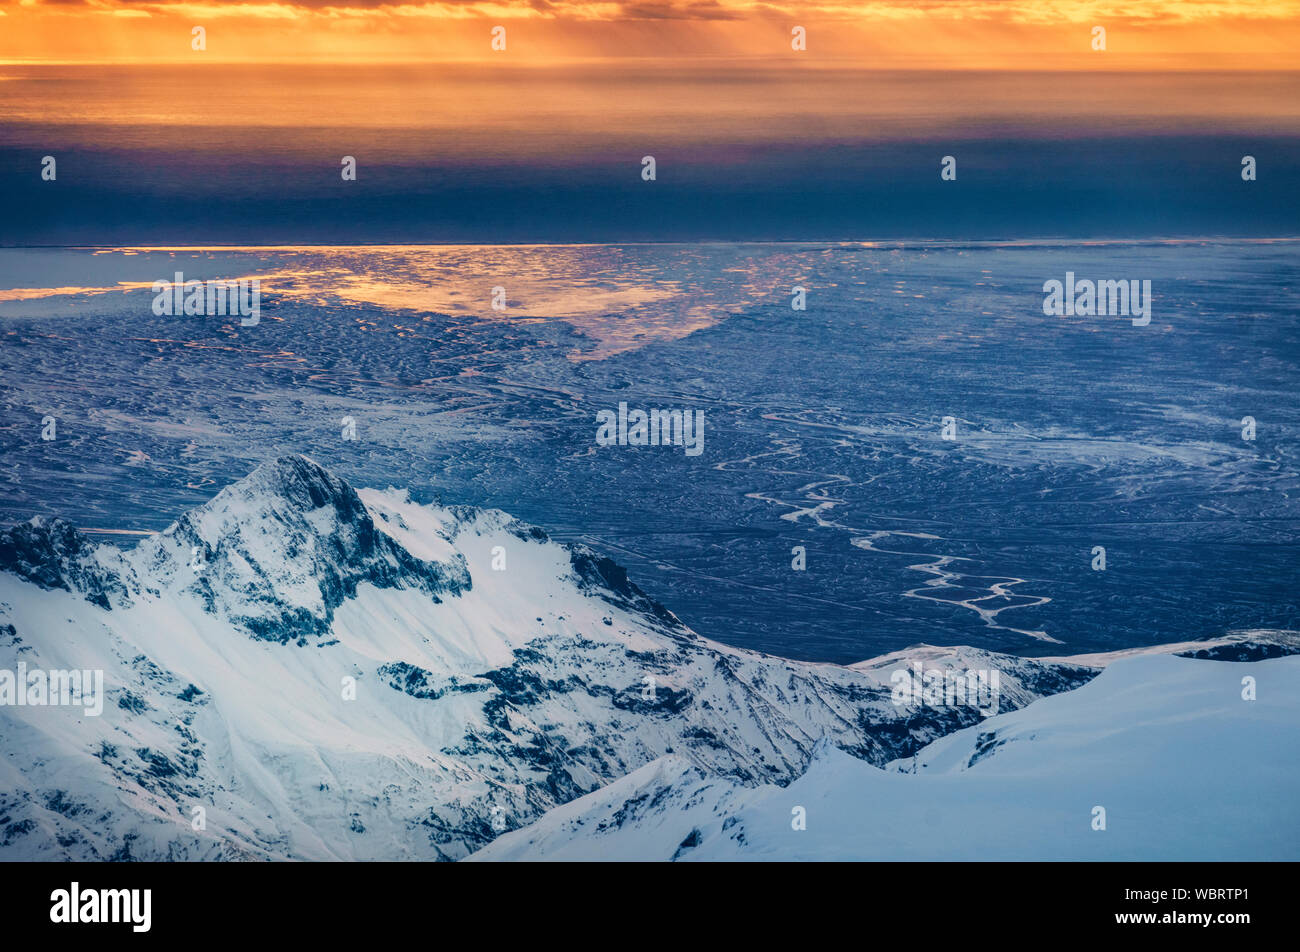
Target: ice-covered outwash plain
[{"x": 823, "y": 426}]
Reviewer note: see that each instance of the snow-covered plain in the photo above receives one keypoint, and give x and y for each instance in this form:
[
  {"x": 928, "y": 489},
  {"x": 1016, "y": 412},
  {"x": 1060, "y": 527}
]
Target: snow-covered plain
[{"x": 297, "y": 670}]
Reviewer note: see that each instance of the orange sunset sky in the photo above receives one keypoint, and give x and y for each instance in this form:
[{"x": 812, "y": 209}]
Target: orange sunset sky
[{"x": 1003, "y": 34}]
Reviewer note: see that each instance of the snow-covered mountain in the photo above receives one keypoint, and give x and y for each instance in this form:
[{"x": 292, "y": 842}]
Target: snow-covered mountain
[
  {"x": 1183, "y": 766},
  {"x": 301, "y": 670}
]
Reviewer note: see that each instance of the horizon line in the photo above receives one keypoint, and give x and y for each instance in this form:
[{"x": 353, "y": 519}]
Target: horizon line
[{"x": 866, "y": 242}]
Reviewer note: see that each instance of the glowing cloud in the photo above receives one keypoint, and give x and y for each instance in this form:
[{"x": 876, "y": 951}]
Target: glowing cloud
[{"x": 1014, "y": 34}]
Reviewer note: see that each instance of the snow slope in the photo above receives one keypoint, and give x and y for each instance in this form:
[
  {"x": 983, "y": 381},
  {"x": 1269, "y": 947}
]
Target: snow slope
[{"x": 1184, "y": 767}]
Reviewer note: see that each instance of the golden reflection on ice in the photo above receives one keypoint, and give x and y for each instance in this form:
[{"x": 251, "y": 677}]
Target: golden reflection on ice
[{"x": 619, "y": 298}]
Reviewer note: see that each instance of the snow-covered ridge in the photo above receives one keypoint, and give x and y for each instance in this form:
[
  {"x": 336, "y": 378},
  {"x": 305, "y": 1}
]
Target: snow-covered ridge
[
  {"x": 279, "y": 551},
  {"x": 324, "y": 673},
  {"x": 1158, "y": 758}
]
